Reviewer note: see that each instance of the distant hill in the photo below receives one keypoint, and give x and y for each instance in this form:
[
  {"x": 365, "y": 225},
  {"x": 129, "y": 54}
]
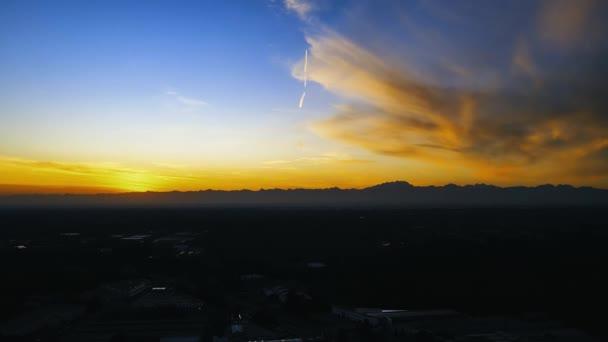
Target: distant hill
[{"x": 393, "y": 194}]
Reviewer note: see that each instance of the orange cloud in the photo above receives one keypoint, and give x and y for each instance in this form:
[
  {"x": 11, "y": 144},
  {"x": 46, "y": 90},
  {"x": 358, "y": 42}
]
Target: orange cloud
[{"x": 498, "y": 134}]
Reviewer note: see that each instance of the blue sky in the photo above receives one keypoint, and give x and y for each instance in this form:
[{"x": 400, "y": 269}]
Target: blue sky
[{"x": 77, "y": 51}]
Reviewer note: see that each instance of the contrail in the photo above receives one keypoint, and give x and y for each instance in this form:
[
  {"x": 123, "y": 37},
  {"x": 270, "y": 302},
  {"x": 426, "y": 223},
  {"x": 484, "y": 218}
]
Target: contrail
[
  {"x": 305, "y": 77},
  {"x": 305, "y": 66}
]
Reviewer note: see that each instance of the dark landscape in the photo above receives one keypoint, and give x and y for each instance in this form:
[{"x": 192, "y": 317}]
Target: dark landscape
[
  {"x": 397, "y": 194},
  {"x": 529, "y": 273}
]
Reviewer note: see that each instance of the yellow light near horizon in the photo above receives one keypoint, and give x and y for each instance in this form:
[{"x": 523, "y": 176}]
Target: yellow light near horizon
[
  {"x": 133, "y": 182},
  {"x": 30, "y": 176},
  {"x": 65, "y": 176}
]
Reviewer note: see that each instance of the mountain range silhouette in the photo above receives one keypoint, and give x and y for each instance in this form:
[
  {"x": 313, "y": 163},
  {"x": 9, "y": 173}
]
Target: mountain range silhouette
[{"x": 391, "y": 194}]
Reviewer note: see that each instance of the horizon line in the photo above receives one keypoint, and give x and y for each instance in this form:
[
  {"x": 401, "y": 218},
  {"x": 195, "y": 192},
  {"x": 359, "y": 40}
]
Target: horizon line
[{"x": 85, "y": 190}]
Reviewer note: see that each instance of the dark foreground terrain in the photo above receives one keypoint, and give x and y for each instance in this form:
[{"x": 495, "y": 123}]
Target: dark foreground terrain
[{"x": 243, "y": 274}]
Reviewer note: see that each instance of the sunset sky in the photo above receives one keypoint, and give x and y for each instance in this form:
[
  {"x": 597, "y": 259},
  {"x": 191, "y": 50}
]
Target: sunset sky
[{"x": 105, "y": 96}]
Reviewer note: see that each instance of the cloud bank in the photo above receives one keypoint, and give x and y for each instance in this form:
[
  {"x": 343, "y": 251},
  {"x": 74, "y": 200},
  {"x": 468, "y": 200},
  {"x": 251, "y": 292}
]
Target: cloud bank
[{"x": 547, "y": 120}]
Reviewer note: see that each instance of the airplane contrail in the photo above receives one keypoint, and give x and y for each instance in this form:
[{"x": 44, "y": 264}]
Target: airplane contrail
[
  {"x": 305, "y": 66},
  {"x": 305, "y": 78}
]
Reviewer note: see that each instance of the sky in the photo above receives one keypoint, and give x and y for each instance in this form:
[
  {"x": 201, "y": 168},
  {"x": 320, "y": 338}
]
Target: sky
[{"x": 112, "y": 96}]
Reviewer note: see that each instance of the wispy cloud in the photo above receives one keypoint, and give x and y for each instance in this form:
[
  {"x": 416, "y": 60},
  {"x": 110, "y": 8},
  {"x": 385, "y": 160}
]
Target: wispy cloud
[
  {"x": 71, "y": 174},
  {"x": 80, "y": 177},
  {"x": 189, "y": 101},
  {"x": 523, "y": 62},
  {"x": 326, "y": 158},
  {"x": 185, "y": 100},
  {"x": 303, "y": 8}
]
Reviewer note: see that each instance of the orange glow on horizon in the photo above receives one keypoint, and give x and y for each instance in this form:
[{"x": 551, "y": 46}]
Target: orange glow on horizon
[{"x": 25, "y": 176}]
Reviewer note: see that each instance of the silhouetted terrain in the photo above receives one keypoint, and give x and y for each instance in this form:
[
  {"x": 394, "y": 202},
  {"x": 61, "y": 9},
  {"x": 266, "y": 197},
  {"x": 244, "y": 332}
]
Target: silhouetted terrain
[
  {"x": 509, "y": 262},
  {"x": 387, "y": 194}
]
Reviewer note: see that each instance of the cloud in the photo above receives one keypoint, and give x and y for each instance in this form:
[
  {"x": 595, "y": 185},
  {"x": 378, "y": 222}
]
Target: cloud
[
  {"x": 565, "y": 21},
  {"x": 327, "y": 158},
  {"x": 64, "y": 175},
  {"x": 518, "y": 130},
  {"x": 187, "y": 101},
  {"x": 29, "y": 175},
  {"x": 523, "y": 62},
  {"x": 303, "y": 8}
]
